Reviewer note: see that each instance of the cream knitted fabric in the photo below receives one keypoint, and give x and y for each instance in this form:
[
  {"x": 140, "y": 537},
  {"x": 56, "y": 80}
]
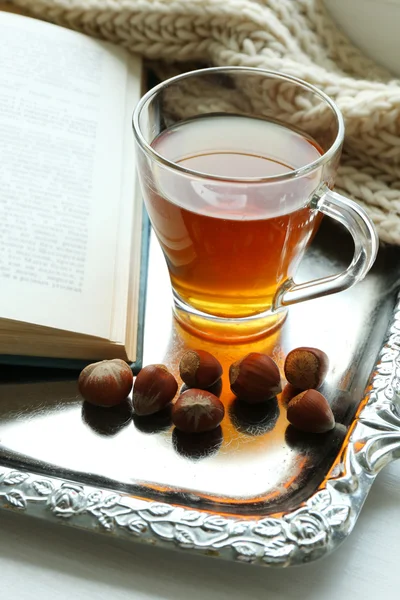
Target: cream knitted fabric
[{"x": 293, "y": 36}]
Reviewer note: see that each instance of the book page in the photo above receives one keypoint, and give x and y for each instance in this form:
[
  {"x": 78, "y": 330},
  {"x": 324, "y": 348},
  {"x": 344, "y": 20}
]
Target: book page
[
  {"x": 62, "y": 126},
  {"x": 127, "y": 272}
]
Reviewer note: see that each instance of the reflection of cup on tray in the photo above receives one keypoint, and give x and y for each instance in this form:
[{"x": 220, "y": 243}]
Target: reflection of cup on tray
[{"x": 236, "y": 167}]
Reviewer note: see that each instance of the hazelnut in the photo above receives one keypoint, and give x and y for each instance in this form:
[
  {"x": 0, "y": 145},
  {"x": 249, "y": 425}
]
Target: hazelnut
[
  {"x": 310, "y": 411},
  {"x": 306, "y": 368},
  {"x": 255, "y": 378},
  {"x": 196, "y": 411},
  {"x": 288, "y": 393},
  {"x": 154, "y": 388},
  {"x": 106, "y": 383},
  {"x": 199, "y": 369}
]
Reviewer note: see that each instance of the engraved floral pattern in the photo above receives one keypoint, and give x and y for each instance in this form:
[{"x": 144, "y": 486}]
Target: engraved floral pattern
[
  {"x": 68, "y": 500},
  {"x": 270, "y": 540},
  {"x": 311, "y": 531},
  {"x": 308, "y": 529}
]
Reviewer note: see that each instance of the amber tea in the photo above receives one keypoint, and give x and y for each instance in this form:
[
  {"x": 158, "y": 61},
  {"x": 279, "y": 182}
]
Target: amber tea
[{"x": 230, "y": 244}]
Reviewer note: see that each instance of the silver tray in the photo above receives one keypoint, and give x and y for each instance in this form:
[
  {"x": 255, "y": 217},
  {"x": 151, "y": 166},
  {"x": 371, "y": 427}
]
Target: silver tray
[{"x": 255, "y": 490}]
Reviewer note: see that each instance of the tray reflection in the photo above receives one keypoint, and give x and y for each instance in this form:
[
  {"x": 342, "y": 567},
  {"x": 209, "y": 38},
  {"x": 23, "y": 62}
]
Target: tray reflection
[{"x": 254, "y": 459}]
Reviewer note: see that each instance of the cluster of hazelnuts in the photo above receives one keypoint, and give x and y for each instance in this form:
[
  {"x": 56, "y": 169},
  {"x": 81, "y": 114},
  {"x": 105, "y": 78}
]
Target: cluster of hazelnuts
[{"x": 254, "y": 379}]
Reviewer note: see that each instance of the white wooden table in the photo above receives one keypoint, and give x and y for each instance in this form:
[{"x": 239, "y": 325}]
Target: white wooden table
[{"x": 42, "y": 561}]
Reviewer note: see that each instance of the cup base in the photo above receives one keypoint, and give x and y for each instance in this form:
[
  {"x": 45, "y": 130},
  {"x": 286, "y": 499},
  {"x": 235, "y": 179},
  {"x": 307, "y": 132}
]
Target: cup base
[{"x": 227, "y": 330}]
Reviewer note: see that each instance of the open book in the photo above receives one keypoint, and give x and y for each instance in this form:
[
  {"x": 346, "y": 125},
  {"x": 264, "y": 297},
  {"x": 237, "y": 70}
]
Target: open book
[{"x": 71, "y": 226}]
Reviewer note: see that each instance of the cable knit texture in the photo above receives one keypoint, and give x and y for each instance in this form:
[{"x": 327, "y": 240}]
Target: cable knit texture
[{"x": 296, "y": 37}]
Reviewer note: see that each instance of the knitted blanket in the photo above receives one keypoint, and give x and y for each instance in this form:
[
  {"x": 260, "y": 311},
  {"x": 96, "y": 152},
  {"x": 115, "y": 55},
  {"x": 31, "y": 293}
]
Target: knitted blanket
[{"x": 296, "y": 37}]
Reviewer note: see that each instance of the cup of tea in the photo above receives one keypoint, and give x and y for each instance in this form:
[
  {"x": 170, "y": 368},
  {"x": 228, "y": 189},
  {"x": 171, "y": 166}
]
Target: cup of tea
[{"x": 236, "y": 167}]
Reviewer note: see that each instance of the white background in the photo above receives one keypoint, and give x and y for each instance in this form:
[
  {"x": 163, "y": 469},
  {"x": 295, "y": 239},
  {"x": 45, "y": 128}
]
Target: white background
[
  {"x": 40, "y": 560},
  {"x": 373, "y": 26}
]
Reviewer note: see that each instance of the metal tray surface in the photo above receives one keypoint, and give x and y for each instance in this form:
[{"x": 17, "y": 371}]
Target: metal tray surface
[{"x": 255, "y": 489}]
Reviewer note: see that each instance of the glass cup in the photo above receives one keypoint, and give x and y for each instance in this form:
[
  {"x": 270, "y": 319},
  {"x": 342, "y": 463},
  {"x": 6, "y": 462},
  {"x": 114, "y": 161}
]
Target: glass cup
[{"x": 236, "y": 167}]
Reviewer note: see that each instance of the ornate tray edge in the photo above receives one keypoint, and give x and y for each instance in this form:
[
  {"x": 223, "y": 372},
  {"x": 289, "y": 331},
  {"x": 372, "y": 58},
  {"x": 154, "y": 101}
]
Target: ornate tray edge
[{"x": 303, "y": 535}]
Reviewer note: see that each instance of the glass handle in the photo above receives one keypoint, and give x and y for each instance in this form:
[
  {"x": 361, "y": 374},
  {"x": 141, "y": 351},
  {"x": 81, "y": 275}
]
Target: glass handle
[{"x": 366, "y": 244}]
